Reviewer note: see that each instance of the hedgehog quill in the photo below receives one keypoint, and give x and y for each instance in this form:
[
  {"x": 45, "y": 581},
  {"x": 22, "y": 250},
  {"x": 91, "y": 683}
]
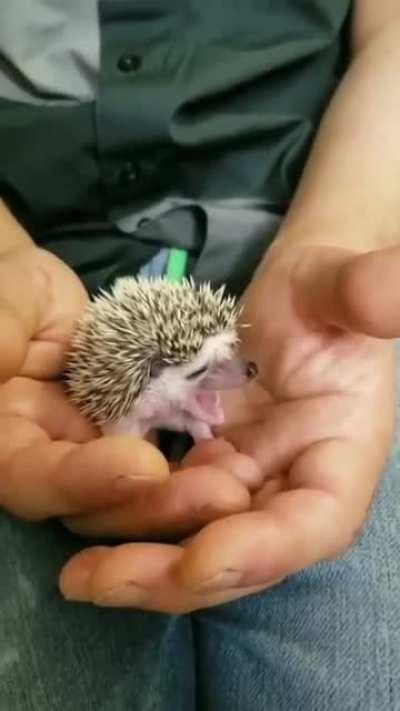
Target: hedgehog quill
[{"x": 154, "y": 354}]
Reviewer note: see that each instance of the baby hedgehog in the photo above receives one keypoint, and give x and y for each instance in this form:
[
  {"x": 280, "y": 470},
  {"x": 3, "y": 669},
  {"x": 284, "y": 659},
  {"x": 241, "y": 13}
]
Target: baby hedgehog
[{"x": 152, "y": 354}]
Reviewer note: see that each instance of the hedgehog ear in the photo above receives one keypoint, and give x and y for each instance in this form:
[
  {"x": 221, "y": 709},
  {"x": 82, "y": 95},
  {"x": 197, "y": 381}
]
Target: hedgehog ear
[{"x": 156, "y": 368}]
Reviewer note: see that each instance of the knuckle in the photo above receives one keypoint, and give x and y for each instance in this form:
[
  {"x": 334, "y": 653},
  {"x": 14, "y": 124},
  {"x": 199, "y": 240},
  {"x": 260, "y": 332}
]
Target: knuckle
[
  {"x": 18, "y": 493},
  {"x": 13, "y": 396}
]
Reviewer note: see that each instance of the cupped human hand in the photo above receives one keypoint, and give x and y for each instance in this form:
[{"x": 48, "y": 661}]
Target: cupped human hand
[{"x": 53, "y": 463}]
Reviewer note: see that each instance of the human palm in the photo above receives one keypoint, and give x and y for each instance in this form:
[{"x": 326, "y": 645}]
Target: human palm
[{"x": 322, "y": 427}]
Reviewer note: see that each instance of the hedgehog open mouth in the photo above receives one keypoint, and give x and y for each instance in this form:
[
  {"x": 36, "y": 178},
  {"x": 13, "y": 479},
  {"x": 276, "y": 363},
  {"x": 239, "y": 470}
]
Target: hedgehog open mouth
[
  {"x": 205, "y": 405},
  {"x": 209, "y": 402}
]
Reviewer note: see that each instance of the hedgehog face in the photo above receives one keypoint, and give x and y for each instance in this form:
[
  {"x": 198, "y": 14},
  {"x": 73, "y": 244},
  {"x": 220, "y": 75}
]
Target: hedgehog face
[
  {"x": 153, "y": 354},
  {"x": 216, "y": 366},
  {"x": 184, "y": 396}
]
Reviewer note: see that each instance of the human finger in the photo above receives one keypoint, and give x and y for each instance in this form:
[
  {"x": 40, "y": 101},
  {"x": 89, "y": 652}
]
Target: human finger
[
  {"x": 41, "y": 478},
  {"x": 188, "y": 500},
  {"x": 133, "y": 575},
  {"x": 355, "y": 292},
  {"x": 40, "y": 300},
  {"x": 222, "y": 454},
  {"x": 46, "y": 404}
]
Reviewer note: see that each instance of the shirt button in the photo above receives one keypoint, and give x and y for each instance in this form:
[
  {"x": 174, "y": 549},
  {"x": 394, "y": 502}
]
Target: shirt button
[
  {"x": 129, "y": 63},
  {"x": 128, "y": 174}
]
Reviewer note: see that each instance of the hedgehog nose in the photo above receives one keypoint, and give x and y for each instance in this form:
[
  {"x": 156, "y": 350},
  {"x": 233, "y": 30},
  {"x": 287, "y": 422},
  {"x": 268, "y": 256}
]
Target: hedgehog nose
[{"x": 251, "y": 370}]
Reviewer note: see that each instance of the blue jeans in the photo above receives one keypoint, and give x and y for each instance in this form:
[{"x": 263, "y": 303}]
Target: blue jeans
[{"x": 327, "y": 639}]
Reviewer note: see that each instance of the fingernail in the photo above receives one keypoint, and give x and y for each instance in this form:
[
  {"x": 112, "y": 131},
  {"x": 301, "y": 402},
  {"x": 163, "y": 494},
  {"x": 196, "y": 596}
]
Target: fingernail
[
  {"x": 128, "y": 595},
  {"x": 75, "y": 583},
  {"x": 225, "y": 579},
  {"x": 76, "y": 590}
]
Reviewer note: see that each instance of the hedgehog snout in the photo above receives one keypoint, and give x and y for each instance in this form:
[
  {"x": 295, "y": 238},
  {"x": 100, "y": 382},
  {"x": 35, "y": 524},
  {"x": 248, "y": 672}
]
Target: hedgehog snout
[{"x": 251, "y": 370}]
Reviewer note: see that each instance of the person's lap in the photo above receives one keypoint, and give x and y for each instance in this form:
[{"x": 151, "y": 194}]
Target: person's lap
[{"x": 55, "y": 655}]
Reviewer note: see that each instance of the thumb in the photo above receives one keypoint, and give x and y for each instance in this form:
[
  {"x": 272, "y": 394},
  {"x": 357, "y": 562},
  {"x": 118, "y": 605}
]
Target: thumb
[
  {"x": 21, "y": 303},
  {"x": 355, "y": 292},
  {"x": 40, "y": 300}
]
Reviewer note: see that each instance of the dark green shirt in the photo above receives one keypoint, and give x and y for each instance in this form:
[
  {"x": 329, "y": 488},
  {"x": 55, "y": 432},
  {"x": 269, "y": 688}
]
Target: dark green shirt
[{"x": 125, "y": 110}]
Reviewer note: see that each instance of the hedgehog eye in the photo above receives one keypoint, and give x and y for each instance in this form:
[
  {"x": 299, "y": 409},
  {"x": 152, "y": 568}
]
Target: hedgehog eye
[
  {"x": 196, "y": 373},
  {"x": 156, "y": 368}
]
